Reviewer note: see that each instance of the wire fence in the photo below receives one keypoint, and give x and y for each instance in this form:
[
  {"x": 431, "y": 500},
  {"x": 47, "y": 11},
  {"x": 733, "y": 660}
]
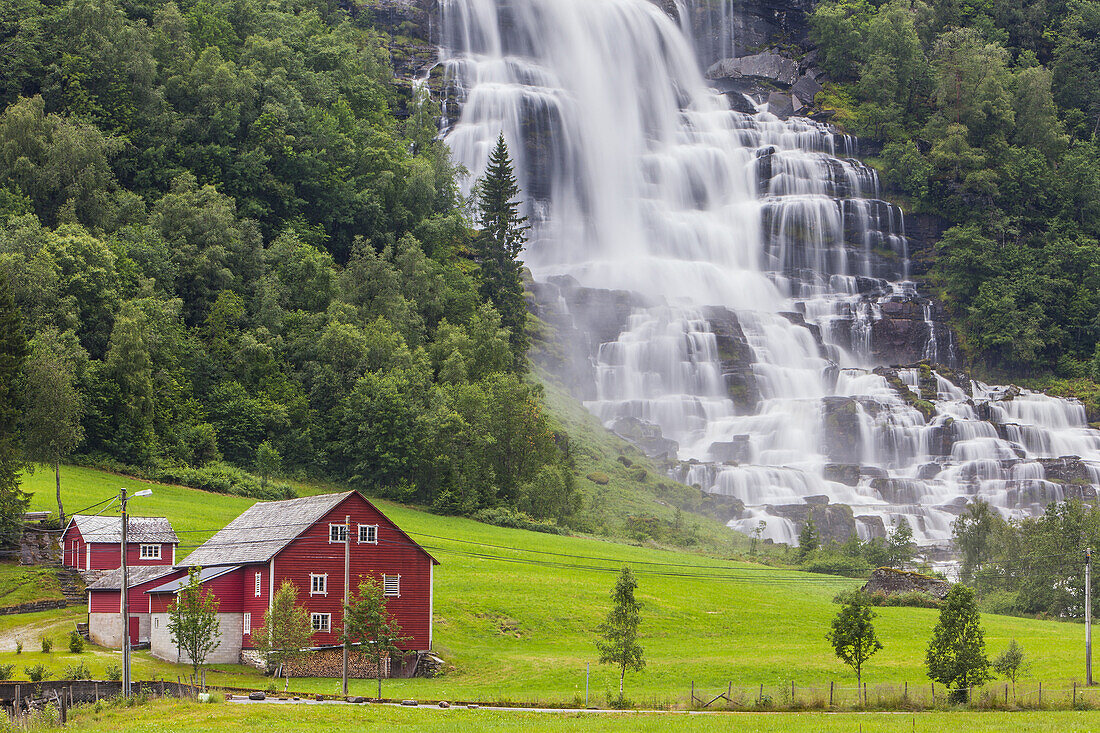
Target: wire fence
[{"x": 1025, "y": 694}]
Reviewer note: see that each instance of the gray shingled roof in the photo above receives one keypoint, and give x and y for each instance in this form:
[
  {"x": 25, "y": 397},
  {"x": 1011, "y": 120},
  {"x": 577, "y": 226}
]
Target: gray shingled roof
[
  {"x": 137, "y": 575},
  {"x": 139, "y": 529},
  {"x": 173, "y": 586},
  {"x": 263, "y": 530}
]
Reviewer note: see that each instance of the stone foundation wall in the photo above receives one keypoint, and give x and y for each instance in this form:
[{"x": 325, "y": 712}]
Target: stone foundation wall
[
  {"x": 105, "y": 629},
  {"x": 228, "y": 651}
]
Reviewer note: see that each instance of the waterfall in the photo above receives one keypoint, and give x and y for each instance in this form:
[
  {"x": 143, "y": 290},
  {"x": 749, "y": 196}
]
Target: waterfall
[{"x": 763, "y": 263}]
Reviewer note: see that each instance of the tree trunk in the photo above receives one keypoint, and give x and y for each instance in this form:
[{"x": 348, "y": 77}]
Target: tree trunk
[
  {"x": 622, "y": 675},
  {"x": 378, "y": 669},
  {"x": 57, "y": 483}
]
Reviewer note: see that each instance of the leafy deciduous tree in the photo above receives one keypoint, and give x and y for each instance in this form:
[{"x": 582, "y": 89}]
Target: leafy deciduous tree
[
  {"x": 193, "y": 620},
  {"x": 853, "y": 635},
  {"x": 618, "y": 644},
  {"x": 285, "y": 632},
  {"x": 368, "y": 623},
  {"x": 956, "y": 655}
]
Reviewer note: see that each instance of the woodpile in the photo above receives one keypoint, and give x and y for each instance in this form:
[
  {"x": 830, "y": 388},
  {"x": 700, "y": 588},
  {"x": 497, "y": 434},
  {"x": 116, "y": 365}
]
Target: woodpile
[{"x": 328, "y": 663}]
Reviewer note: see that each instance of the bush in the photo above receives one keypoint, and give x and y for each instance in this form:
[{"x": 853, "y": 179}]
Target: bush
[
  {"x": 18, "y": 647},
  {"x": 599, "y": 478},
  {"x": 216, "y": 476},
  {"x": 6, "y": 670},
  {"x": 76, "y": 643},
  {"x": 47, "y": 645},
  {"x": 113, "y": 672},
  {"x": 37, "y": 673},
  {"x": 79, "y": 672},
  {"x": 914, "y": 599},
  {"x": 504, "y": 517}
]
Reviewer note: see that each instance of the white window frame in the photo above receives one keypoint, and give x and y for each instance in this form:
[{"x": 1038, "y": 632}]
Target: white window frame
[
  {"x": 368, "y": 528},
  {"x": 320, "y": 622},
  {"x": 153, "y": 552},
  {"x": 313, "y": 578},
  {"x": 396, "y": 591},
  {"x": 339, "y": 532},
  {"x": 259, "y": 585},
  {"x": 247, "y": 623}
]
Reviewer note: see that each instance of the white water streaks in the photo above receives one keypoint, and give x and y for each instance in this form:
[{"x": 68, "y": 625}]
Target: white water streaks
[{"x": 639, "y": 177}]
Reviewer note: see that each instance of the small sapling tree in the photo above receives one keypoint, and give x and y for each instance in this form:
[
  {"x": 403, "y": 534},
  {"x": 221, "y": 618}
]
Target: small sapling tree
[
  {"x": 956, "y": 656},
  {"x": 808, "y": 539},
  {"x": 618, "y": 643},
  {"x": 268, "y": 462},
  {"x": 853, "y": 635},
  {"x": 285, "y": 632},
  {"x": 368, "y": 623},
  {"x": 1012, "y": 664},
  {"x": 193, "y": 621}
]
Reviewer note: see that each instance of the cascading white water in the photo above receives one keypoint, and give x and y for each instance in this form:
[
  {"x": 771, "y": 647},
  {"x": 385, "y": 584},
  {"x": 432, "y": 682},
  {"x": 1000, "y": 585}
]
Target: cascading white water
[{"x": 639, "y": 177}]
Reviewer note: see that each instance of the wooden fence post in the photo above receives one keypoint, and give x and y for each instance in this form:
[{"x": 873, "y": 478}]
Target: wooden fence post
[
  {"x": 1075, "y": 693},
  {"x": 693, "y": 692},
  {"x": 1040, "y": 693},
  {"x": 760, "y": 697},
  {"x": 905, "y": 695},
  {"x": 1006, "y": 693},
  {"x": 792, "y": 692},
  {"x": 831, "y": 693},
  {"x": 933, "y": 693}
]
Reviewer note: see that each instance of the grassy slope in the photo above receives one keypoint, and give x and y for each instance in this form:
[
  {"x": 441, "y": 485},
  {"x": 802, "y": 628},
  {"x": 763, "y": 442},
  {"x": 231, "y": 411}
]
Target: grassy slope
[
  {"x": 519, "y": 631},
  {"x": 186, "y": 717},
  {"x": 20, "y": 584}
]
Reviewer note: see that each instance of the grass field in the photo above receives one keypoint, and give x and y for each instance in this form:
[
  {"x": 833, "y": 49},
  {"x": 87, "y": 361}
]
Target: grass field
[
  {"x": 186, "y": 717},
  {"x": 21, "y": 584},
  {"x": 515, "y": 614}
]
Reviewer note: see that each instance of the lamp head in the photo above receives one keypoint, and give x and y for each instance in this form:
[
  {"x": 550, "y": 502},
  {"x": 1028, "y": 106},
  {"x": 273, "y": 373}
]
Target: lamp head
[{"x": 143, "y": 492}]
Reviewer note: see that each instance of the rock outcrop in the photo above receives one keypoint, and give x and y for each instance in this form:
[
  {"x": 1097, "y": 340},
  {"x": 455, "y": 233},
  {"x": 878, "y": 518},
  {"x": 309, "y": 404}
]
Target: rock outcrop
[{"x": 896, "y": 582}]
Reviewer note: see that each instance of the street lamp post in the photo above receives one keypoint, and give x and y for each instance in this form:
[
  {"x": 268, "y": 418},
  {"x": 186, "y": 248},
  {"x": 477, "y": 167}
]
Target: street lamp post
[{"x": 125, "y": 594}]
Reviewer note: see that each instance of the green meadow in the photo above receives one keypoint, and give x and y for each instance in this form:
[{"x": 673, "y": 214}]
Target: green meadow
[{"x": 515, "y": 613}]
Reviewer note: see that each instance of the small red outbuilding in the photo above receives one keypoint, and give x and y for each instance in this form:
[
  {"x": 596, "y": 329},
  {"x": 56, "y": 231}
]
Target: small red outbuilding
[{"x": 94, "y": 542}]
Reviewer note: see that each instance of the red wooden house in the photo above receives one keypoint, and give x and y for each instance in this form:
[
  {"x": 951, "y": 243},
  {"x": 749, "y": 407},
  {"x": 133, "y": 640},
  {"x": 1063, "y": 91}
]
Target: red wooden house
[
  {"x": 302, "y": 540},
  {"x": 94, "y": 543},
  {"x": 105, "y": 604}
]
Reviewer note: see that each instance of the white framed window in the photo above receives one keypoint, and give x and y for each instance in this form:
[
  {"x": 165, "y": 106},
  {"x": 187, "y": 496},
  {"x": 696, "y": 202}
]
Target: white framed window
[
  {"x": 156, "y": 622},
  {"x": 150, "y": 552},
  {"x": 318, "y": 584},
  {"x": 391, "y": 585},
  {"x": 321, "y": 621},
  {"x": 337, "y": 533},
  {"x": 259, "y": 585},
  {"x": 368, "y": 534},
  {"x": 247, "y": 623}
]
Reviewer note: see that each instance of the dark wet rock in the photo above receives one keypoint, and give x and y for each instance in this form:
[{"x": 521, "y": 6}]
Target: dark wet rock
[
  {"x": 820, "y": 500},
  {"x": 899, "y": 490},
  {"x": 721, "y": 507},
  {"x": 737, "y": 450},
  {"x": 842, "y": 429},
  {"x": 782, "y": 105},
  {"x": 873, "y": 472},
  {"x": 929, "y": 471},
  {"x": 806, "y": 88},
  {"x": 736, "y": 357},
  {"x": 1066, "y": 470},
  {"x": 873, "y": 525},
  {"x": 844, "y": 473},
  {"x": 898, "y": 582},
  {"x": 834, "y": 522},
  {"x": 646, "y": 436},
  {"x": 769, "y": 65}
]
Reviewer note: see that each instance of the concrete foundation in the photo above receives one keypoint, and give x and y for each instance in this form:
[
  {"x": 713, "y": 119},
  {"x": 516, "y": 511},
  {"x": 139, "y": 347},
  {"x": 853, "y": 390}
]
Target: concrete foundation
[
  {"x": 228, "y": 651},
  {"x": 105, "y": 629}
]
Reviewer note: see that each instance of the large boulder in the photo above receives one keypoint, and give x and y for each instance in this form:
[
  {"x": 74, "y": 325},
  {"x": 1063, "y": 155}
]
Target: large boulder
[
  {"x": 768, "y": 65},
  {"x": 843, "y": 429},
  {"x": 834, "y": 522},
  {"x": 646, "y": 436},
  {"x": 896, "y": 582}
]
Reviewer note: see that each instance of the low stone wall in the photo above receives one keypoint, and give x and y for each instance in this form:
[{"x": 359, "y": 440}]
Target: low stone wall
[{"x": 33, "y": 607}]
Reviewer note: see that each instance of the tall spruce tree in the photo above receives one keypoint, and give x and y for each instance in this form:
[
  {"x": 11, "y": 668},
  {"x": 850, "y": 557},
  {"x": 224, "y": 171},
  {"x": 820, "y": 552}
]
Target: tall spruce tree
[
  {"x": 13, "y": 351},
  {"x": 499, "y": 244}
]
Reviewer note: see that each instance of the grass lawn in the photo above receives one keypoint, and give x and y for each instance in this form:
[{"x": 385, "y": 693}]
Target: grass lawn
[
  {"x": 186, "y": 717},
  {"x": 515, "y": 613},
  {"x": 22, "y": 584}
]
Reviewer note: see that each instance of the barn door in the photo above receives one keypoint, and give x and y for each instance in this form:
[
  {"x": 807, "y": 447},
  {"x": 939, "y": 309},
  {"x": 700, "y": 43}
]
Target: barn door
[{"x": 134, "y": 622}]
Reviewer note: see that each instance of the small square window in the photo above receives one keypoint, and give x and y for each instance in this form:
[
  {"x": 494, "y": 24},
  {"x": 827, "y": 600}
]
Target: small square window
[
  {"x": 247, "y": 624},
  {"x": 150, "y": 552},
  {"x": 321, "y": 621},
  {"x": 368, "y": 534},
  {"x": 337, "y": 533},
  {"x": 391, "y": 585},
  {"x": 318, "y": 584}
]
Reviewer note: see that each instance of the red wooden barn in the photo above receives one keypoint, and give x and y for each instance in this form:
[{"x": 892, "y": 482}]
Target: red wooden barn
[
  {"x": 302, "y": 540},
  {"x": 105, "y": 604},
  {"x": 94, "y": 543}
]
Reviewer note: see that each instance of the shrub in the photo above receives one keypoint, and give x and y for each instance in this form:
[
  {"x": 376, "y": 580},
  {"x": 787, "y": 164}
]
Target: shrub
[
  {"x": 599, "y": 478},
  {"x": 504, "y": 517},
  {"x": 6, "y": 670},
  {"x": 76, "y": 644},
  {"x": 78, "y": 672},
  {"x": 113, "y": 672},
  {"x": 37, "y": 673},
  {"x": 18, "y": 647},
  {"x": 831, "y": 563},
  {"x": 47, "y": 645}
]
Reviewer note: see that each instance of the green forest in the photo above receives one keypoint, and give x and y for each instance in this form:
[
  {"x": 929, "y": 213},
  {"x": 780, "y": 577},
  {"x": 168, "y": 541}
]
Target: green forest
[
  {"x": 988, "y": 112},
  {"x": 231, "y": 260}
]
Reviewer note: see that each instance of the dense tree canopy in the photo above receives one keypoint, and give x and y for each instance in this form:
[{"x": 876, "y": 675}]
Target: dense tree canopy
[
  {"x": 988, "y": 113},
  {"x": 213, "y": 206}
]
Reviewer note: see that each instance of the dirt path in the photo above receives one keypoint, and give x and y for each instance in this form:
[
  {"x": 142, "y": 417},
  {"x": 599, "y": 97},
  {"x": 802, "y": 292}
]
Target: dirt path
[{"x": 31, "y": 634}]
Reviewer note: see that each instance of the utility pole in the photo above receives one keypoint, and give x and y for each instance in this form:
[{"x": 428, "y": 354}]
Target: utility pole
[
  {"x": 1088, "y": 616},
  {"x": 125, "y": 604},
  {"x": 347, "y": 574},
  {"x": 126, "y": 592}
]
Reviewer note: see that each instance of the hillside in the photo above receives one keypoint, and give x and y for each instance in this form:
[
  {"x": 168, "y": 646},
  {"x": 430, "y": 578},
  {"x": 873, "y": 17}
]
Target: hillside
[{"x": 515, "y": 614}]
